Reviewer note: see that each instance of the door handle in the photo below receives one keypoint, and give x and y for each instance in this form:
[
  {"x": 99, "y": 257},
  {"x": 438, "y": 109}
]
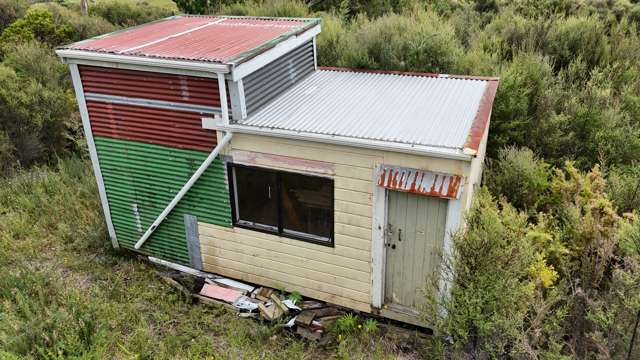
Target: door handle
[{"x": 399, "y": 234}]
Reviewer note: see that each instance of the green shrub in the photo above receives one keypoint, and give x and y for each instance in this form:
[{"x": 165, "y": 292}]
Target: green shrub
[
  {"x": 7, "y": 154},
  {"x": 523, "y": 109},
  {"x": 125, "y": 13},
  {"x": 347, "y": 324},
  {"x": 421, "y": 41},
  {"x": 520, "y": 176},
  {"x": 509, "y": 34},
  {"x": 32, "y": 60},
  {"x": 623, "y": 187},
  {"x": 37, "y": 118},
  {"x": 37, "y": 24},
  {"x": 283, "y": 8},
  {"x": 10, "y": 11},
  {"x": 577, "y": 37},
  {"x": 82, "y": 27},
  {"x": 490, "y": 293}
]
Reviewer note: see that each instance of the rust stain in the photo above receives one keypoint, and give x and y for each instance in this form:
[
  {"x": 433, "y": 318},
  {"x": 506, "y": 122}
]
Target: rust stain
[{"x": 420, "y": 182}]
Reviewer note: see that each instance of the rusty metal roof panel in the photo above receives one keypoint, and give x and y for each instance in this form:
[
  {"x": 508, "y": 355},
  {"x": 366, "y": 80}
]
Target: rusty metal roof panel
[
  {"x": 427, "y": 110},
  {"x": 219, "y": 39},
  {"x": 420, "y": 182}
]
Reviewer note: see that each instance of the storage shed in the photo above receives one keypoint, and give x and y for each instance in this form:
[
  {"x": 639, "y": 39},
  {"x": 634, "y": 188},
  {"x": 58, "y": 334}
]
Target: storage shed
[{"x": 217, "y": 143}]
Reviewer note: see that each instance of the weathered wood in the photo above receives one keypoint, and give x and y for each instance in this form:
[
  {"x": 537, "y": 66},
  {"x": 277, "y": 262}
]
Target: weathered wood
[
  {"x": 288, "y": 264},
  {"x": 417, "y": 225},
  {"x": 256, "y": 276},
  {"x": 193, "y": 241},
  {"x": 343, "y": 256},
  {"x": 353, "y": 208},
  {"x": 283, "y": 278},
  {"x": 277, "y": 302}
]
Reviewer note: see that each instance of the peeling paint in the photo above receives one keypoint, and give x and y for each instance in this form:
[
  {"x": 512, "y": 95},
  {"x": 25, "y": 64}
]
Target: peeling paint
[{"x": 420, "y": 182}]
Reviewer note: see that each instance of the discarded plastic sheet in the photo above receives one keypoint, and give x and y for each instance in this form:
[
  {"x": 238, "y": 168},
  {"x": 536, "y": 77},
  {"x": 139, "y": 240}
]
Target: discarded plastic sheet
[
  {"x": 220, "y": 293},
  {"x": 291, "y": 305},
  {"x": 244, "y": 303},
  {"x": 291, "y": 322}
]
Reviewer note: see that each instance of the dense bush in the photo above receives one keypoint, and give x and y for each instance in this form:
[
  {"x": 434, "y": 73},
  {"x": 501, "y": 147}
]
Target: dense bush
[
  {"x": 37, "y": 24},
  {"x": 284, "y": 8},
  {"x": 126, "y": 13},
  {"x": 486, "y": 310},
  {"x": 561, "y": 284},
  {"x": 10, "y": 11},
  {"x": 36, "y": 104},
  {"x": 623, "y": 186},
  {"x": 577, "y": 38},
  {"x": 82, "y": 27},
  {"x": 520, "y": 177}
]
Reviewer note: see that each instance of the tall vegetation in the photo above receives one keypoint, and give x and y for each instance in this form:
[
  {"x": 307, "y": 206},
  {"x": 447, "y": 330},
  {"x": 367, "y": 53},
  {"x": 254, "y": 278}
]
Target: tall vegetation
[
  {"x": 564, "y": 283},
  {"x": 548, "y": 265}
]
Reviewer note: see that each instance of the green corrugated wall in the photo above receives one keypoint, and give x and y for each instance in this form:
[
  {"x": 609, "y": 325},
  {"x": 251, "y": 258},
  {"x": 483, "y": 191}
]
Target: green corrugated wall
[{"x": 150, "y": 176}]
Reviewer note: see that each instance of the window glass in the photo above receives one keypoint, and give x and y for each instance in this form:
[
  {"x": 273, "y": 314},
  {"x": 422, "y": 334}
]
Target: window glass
[
  {"x": 307, "y": 205},
  {"x": 256, "y": 195},
  {"x": 289, "y": 204}
]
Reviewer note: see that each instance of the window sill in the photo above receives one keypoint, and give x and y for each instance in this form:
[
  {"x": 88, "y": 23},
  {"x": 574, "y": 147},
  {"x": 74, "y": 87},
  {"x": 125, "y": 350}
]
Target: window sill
[{"x": 309, "y": 239}]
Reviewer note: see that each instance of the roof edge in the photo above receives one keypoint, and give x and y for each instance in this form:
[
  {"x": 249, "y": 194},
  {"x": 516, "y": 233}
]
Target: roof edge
[
  {"x": 409, "y": 73},
  {"x": 481, "y": 120},
  {"x": 445, "y": 153}
]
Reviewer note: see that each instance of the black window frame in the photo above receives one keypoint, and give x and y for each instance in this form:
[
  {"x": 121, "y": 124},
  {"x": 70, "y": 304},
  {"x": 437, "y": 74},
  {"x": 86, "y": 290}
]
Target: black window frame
[{"x": 280, "y": 231}]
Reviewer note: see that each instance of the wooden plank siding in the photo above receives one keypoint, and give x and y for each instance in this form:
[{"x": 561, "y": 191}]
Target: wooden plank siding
[{"x": 339, "y": 274}]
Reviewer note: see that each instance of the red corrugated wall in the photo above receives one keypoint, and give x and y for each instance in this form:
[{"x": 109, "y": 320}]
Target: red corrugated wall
[
  {"x": 154, "y": 125},
  {"x": 150, "y": 85},
  {"x": 180, "y": 129}
]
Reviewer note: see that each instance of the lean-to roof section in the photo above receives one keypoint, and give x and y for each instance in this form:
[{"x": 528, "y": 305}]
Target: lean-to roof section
[{"x": 441, "y": 112}]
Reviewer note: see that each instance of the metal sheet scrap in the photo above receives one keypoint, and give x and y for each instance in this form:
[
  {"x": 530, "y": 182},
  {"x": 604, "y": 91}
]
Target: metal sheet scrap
[{"x": 420, "y": 182}]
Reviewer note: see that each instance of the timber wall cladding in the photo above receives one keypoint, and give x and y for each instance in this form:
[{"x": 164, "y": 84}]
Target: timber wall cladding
[
  {"x": 340, "y": 274},
  {"x": 147, "y": 153}
]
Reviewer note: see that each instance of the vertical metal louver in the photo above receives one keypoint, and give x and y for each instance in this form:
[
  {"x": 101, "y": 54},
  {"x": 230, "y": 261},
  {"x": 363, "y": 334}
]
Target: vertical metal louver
[{"x": 272, "y": 80}]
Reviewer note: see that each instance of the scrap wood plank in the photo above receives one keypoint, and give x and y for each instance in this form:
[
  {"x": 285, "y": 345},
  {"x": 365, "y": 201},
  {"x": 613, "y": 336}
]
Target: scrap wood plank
[
  {"x": 213, "y": 302},
  {"x": 307, "y": 316},
  {"x": 263, "y": 293},
  {"x": 278, "y": 302}
]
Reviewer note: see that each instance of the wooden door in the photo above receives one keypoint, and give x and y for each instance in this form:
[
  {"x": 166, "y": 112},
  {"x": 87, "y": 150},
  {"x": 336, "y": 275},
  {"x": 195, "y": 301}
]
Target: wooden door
[{"x": 414, "y": 238}]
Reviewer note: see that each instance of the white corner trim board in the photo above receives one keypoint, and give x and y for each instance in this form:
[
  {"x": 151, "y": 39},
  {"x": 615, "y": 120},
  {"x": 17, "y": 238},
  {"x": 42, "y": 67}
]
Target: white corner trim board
[
  {"x": 454, "y": 217},
  {"x": 196, "y": 175},
  {"x": 378, "y": 226},
  {"x": 84, "y": 114},
  {"x": 222, "y": 89}
]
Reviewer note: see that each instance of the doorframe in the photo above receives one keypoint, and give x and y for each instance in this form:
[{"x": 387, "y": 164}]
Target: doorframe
[
  {"x": 378, "y": 254},
  {"x": 378, "y": 250}
]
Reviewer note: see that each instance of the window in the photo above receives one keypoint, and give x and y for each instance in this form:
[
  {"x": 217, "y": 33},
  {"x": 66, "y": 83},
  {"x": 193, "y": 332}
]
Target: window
[{"x": 288, "y": 204}]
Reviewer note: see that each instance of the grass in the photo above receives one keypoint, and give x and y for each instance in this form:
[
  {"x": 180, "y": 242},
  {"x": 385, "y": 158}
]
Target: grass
[{"x": 66, "y": 294}]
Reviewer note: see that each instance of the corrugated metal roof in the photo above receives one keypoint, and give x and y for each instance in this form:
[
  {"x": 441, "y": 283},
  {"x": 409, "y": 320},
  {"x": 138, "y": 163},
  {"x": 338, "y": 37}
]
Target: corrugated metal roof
[
  {"x": 412, "y": 109},
  {"x": 200, "y": 38}
]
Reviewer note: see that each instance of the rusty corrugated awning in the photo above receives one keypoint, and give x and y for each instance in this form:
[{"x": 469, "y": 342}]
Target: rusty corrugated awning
[{"x": 420, "y": 182}]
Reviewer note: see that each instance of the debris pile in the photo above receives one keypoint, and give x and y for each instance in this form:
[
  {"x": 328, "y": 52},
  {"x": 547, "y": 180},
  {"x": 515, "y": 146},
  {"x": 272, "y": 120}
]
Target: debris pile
[{"x": 310, "y": 319}]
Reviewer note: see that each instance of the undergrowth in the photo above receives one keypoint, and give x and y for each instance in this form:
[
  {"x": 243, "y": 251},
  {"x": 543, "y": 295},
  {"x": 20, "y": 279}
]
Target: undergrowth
[{"x": 66, "y": 294}]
